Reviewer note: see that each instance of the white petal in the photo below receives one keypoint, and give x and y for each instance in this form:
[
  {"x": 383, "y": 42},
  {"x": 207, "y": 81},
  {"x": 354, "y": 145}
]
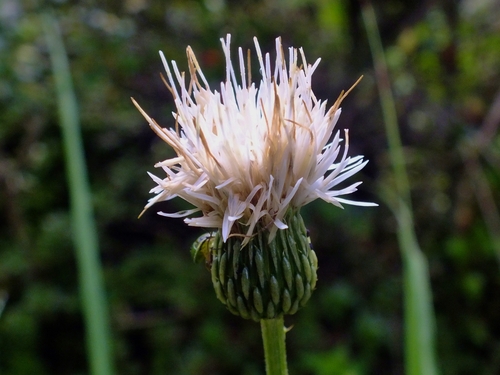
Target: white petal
[
  {"x": 180, "y": 213},
  {"x": 346, "y": 175},
  {"x": 280, "y": 224},
  {"x": 356, "y": 203}
]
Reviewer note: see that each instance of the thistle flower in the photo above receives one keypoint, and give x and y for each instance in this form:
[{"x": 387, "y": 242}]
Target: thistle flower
[
  {"x": 247, "y": 154},
  {"x": 248, "y": 158}
]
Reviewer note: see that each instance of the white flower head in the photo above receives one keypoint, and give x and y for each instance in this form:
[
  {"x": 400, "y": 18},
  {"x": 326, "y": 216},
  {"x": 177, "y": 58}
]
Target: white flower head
[{"x": 248, "y": 153}]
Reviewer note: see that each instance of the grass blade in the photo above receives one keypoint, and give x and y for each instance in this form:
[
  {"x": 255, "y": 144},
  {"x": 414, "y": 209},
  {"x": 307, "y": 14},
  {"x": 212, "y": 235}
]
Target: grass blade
[
  {"x": 418, "y": 309},
  {"x": 83, "y": 225}
]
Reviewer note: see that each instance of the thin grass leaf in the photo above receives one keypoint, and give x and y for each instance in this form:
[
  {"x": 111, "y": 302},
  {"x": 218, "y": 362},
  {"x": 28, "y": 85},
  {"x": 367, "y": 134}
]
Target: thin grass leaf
[
  {"x": 83, "y": 226},
  {"x": 418, "y": 309}
]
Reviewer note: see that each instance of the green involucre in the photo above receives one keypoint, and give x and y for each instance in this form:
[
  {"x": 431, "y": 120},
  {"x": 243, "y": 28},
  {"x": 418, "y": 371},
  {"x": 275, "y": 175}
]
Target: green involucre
[{"x": 263, "y": 280}]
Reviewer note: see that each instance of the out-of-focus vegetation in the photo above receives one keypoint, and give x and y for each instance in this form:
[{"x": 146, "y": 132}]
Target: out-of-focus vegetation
[{"x": 444, "y": 64}]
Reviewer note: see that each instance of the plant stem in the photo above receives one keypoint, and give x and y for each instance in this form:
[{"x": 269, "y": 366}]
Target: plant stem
[{"x": 273, "y": 335}]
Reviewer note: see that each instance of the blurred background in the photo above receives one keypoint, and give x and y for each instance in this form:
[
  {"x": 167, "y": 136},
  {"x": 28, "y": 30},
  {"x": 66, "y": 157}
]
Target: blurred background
[{"x": 444, "y": 65}]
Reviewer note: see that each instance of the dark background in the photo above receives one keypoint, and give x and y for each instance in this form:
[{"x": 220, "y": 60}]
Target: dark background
[{"x": 444, "y": 59}]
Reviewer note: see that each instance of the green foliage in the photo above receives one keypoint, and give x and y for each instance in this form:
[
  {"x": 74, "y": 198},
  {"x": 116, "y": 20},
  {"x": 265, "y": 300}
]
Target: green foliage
[
  {"x": 165, "y": 318},
  {"x": 336, "y": 361}
]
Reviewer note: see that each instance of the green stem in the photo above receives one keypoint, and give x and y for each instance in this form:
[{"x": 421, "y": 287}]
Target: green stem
[{"x": 273, "y": 335}]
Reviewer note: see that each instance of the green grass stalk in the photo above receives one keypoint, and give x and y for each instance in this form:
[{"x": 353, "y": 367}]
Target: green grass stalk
[
  {"x": 419, "y": 323},
  {"x": 83, "y": 226}
]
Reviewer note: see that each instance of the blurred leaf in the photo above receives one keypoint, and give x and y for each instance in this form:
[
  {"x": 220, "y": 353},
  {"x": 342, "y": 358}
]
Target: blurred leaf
[{"x": 338, "y": 361}]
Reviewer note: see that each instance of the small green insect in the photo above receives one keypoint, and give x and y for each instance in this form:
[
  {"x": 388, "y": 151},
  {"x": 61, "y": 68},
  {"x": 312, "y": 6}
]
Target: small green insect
[{"x": 202, "y": 248}]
